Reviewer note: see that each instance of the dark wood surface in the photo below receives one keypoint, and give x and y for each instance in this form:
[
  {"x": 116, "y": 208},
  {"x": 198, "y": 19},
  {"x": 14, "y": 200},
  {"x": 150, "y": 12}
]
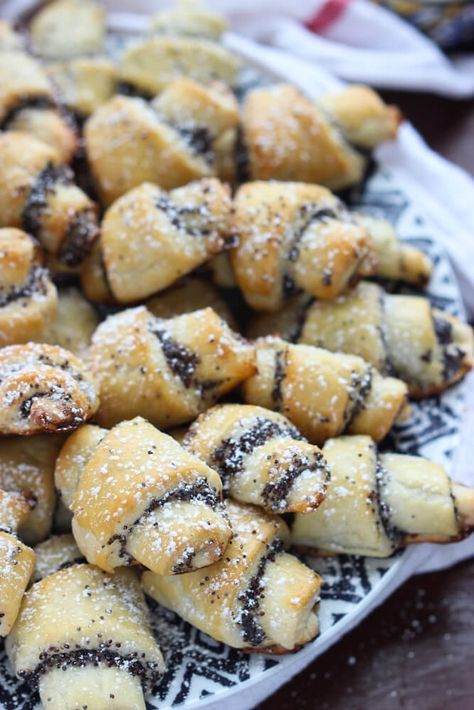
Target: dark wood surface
[{"x": 416, "y": 651}]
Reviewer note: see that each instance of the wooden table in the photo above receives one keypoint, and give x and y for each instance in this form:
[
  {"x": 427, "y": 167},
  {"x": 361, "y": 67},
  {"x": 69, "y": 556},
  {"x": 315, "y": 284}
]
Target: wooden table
[{"x": 416, "y": 651}]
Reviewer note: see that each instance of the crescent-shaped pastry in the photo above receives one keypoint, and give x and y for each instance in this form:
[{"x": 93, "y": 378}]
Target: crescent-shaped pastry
[
  {"x": 28, "y": 298},
  {"x": 257, "y": 598},
  {"x": 294, "y": 237},
  {"x": 189, "y": 21},
  {"x": 68, "y": 28},
  {"x": 85, "y": 83},
  {"x": 323, "y": 393},
  {"x": 400, "y": 335},
  {"x": 43, "y": 388},
  {"x": 38, "y": 194},
  {"x": 149, "y": 65},
  {"x": 285, "y": 136},
  {"x": 27, "y": 467},
  {"x": 379, "y": 502},
  {"x": 56, "y": 553},
  {"x": 17, "y": 561},
  {"x": 27, "y": 103},
  {"x": 167, "y": 371},
  {"x": 138, "y": 496},
  {"x": 83, "y": 638},
  {"x": 75, "y": 322},
  {"x": 151, "y": 238},
  {"x": 261, "y": 457}
]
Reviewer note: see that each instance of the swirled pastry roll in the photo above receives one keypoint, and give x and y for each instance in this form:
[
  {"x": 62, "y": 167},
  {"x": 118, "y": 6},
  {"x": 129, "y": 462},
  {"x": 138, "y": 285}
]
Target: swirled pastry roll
[
  {"x": 189, "y": 21},
  {"x": 85, "y": 83},
  {"x": 68, "y": 28},
  {"x": 295, "y": 237},
  {"x": 379, "y": 502},
  {"x": 149, "y": 65},
  {"x": 399, "y": 335},
  {"x": 27, "y": 103},
  {"x": 28, "y": 298},
  {"x": 324, "y": 393},
  {"x": 258, "y": 597},
  {"x": 285, "y": 136},
  {"x": 362, "y": 116},
  {"x": 138, "y": 496},
  {"x": 190, "y": 294},
  {"x": 168, "y": 371},
  {"x": 17, "y": 561},
  {"x": 43, "y": 388},
  {"x": 261, "y": 457},
  {"x": 83, "y": 637},
  {"x": 27, "y": 467},
  {"x": 9, "y": 39},
  {"x": 75, "y": 322},
  {"x": 38, "y": 194},
  {"x": 56, "y": 553},
  {"x": 150, "y": 238}
]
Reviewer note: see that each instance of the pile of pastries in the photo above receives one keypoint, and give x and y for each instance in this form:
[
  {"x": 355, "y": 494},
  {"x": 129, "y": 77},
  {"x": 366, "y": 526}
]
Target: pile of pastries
[{"x": 197, "y": 352}]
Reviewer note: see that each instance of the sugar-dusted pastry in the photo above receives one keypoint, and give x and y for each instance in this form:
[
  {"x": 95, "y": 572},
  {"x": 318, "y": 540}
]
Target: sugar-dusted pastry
[
  {"x": 9, "y": 39},
  {"x": 189, "y": 20},
  {"x": 362, "y": 116},
  {"x": 27, "y": 467},
  {"x": 399, "y": 335},
  {"x": 17, "y": 561},
  {"x": 28, "y": 103},
  {"x": 379, "y": 502},
  {"x": 192, "y": 293},
  {"x": 54, "y": 554},
  {"x": 37, "y": 193},
  {"x": 261, "y": 457},
  {"x": 68, "y": 28},
  {"x": 43, "y": 388},
  {"x": 75, "y": 322},
  {"x": 294, "y": 237},
  {"x": 285, "y": 136},
  {"x": 149, "y": 65},
  {"x": 324, "y": 393},
  {"x": 167, "y": 371},
  {"x": 258, "y": 597},
  {"x": 150, "y": 238},
  {"x": 28, "y": 298},
  {"x": 83, "y": 638},
  {"x": 84, "y": 83},
  {"x": 138, "y": 496}
]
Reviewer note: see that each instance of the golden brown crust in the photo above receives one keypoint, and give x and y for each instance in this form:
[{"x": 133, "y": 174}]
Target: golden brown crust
[
  {"x": 68, "y": 28},
  {"x": 84, "y": 84}
]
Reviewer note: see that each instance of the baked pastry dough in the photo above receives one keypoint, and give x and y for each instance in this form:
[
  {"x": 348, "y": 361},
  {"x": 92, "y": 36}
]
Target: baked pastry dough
[
  {"x": 324, "y": 393},
  {"x": 149, "y": 65},
  {"x": 28, "y": 298},
  {"x": 379, "y": 502},
  {"x": 9, "y": 39},
  {"x": 56, "y": 553},
  {"x": 399, "y": 335},
  {"x": 17, "y": 561},
  {"x": 295, "y": 237},
  {"x": 85, "y": 83},
  {"x": 27, "y": 467},
  {"x": 75, "y": 322},
  {"x": 68, "y": 28},
  {"x": 261, "y": 457},
  {"x": 38, "y": 194},
  {"x": 257, "y": 597},
  {"x": 191, "y": 293},
  {"x": 165, "y": 370},
  {"x": 43, "y": 388},
  {"x": 149, "y": 238},
  {"x": 362, "y": 116},
  {"x": 189, "y": 20},
  {"x": 27, "y": 103},
  {"x": 83, "y": 637},
  {"x": 285, "y": 136},
  {"x": 138, "y": 496}
]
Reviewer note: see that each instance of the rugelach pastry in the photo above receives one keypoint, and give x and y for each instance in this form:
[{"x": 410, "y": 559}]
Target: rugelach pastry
[
  {"x": 75, "y": 322},
  {"x": 323, "y": 393},
  {"x": 261, "y": 457},
  {"x": 166, "y": 370},
  {"x": 138, "y": 496},
  {"x": 68, "y": 28},
  {"x": 84, "y": 83},
  {"x": 191, "y": 293},
  {"x": 56, "y": 553},
  {"x": 83, "y": 639},
  {"x": 378, "y": 502},
  {"x": 189, "y": 20},
  {"x": 43, "y": 388},
  {"x": 257, "y": 598}
]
